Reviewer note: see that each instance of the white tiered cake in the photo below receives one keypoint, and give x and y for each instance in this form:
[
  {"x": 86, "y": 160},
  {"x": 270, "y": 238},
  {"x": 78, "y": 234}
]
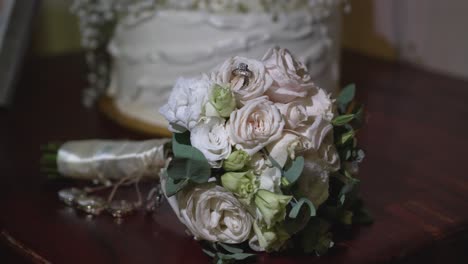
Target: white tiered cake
[{"x": 185, "y": 38}]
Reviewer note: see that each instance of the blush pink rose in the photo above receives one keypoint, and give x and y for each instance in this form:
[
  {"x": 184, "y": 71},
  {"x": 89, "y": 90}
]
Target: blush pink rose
[{"x": 290, "y": 76}]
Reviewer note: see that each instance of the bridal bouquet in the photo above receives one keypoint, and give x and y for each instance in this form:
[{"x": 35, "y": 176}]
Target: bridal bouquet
[{"x": 263, "y": 159}]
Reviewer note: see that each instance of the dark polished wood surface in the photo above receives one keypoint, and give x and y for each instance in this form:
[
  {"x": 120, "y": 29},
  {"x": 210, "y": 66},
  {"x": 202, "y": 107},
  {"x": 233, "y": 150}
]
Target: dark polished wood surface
[{"x": 414, "y": 178}]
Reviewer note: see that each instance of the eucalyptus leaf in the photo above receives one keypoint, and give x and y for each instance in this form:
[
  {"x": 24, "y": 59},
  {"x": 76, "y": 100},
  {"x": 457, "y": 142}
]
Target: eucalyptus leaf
[
  {"x": 342, "y": 119},
  {"x": 297, "y": 207},
  {"x": 293, "y": 172},
  {"x": 173, "y": 186},
  {"x": 209, "y": 253},
  {"x": 231, "y": 249},
  {"x": 197, "y": 171},
  {"x": 181, "y": 144},
  {"x": 346, "y": 96},
  {"x": 235, "y": 256}
]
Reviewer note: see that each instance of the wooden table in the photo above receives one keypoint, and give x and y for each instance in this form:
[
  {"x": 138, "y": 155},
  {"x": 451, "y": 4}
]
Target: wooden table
[{"x": 414, "y": 178}]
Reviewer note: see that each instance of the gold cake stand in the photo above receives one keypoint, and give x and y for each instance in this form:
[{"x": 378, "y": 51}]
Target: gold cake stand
[{"x": 106, "y": 105}]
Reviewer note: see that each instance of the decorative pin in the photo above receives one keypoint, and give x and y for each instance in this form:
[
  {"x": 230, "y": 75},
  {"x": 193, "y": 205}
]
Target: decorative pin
[
  {"x": 91, "y": 204},
  {"x": 121, "y": 208},
  {"x": 69, "y": 196}
]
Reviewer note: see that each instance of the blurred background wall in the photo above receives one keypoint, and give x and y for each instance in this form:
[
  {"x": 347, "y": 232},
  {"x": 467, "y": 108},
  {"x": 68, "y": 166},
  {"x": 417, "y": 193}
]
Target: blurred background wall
[{"x": 429, "y": 33}]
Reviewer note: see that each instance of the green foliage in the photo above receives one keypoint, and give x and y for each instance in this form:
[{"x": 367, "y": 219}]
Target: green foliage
[
  {"x": 224, "y": 253},
  {"x": 294, "y": 170},
  {"x": 189, "y": 165},
  {"x": 295, "y": 210},
  {"x": 316, "y": 237},
  {"x": 345, "y": 97},
  {"x": 342, "y": 120}
]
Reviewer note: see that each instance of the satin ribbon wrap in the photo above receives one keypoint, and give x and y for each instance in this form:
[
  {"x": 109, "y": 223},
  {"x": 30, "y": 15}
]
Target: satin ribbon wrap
[{"x": 112, "y": 160}]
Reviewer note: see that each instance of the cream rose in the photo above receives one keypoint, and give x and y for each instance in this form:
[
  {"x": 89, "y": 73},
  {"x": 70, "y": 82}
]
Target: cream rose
[
  {"x": 244, "y": 88},
  {"x": 211, "y": 213},
  {"x": 290, "y": 76},
  {"x": 255, "y": 125},
  {"x": 211, "y": 138},
  {"x": 321, "y": 105},
  {"x": 186, "y": 102}
]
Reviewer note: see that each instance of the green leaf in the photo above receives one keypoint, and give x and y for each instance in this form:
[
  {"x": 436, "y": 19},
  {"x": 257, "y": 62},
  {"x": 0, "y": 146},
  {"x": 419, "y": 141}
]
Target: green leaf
[
  {"x": 346, "y": 137},
  {"x": 209, "y": 253},
  {"x": 173, "y": 186},
  {"x": 345, "y": 97},
  {"x": 181, "y": 171},
  {"x": 313, "y": 235},
  {"x": 230, "y": 248},
  {"x": 195, "y": 170},
  {"x": 363, "y": 217},
  {"x": 293, "y": 172},
  {"x": 236, "y": 256},
  {"x": 181, "y": 144},
  {"x": 360, "y": 114},
  {"x": 297, "y": 207},
  {"x": 342, "y": 119}
]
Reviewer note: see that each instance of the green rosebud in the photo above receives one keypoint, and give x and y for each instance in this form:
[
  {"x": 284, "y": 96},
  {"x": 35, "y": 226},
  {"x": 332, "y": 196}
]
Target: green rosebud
[
  {"x": 236, "y": 161},
  {"x": 242, "y": 184},
  {"x": 270, "y": 239},
  {"x": 223, "y": 100},
  {"x": 272, "y": 206}
]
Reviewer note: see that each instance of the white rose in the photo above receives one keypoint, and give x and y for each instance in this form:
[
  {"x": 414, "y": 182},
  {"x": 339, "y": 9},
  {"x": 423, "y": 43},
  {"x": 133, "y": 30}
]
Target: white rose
[
  {"x": 313, "y": 182},
  {"x": 211, "y": 213},
  {"x": 291, "y": 77},
  {"x": 295, "y": 113},
  {"x": 244, "y": 90},
  {"x": 313, "y": 134},
  {"x": 186, "y": 102},
  {"x": 321, "y": 105},
  {"x": 284, "y": 148},
  {"x": 211, "y": 138},
  {"x": 255, "y": 125}
]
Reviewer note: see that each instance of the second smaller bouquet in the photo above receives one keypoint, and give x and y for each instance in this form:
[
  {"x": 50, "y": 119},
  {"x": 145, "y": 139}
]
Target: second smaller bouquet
[{"x": 254, "y": 155}]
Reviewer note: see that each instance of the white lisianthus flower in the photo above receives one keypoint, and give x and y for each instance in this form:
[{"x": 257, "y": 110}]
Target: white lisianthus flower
[
  {"x": 255, "y": 125},
  {"x": 268, "y": 239},
  {"x": 211, "y": 138},
  {"x": 271, "y": 206},
  {"x": 291, "y": 78},
  {"x": 211, "y": 213},
  {"x": 244, "y": 88},
  {"x": 270, "y": 179},
  {"x": 186, "y": 102}
]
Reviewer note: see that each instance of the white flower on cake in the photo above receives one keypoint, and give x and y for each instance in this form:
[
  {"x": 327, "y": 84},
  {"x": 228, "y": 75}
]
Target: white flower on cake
[
  {"x": 291, "y": 78},
  {"x": 211, "y": 138},
  {"x": 186, "y": 103},
  {"x": 244, "y": 88},
  {"x": 211, "y": 213},
  {"x": 255, "y": 125}
]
